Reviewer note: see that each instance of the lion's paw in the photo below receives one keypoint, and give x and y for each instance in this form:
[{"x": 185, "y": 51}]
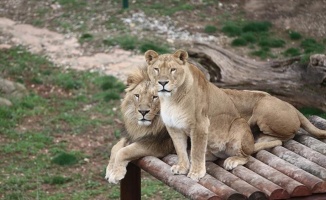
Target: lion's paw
[
  {"x": 108, "y": 172},
  {"x": 196, "y": 175},
  {"x": 177, "y": 169},
  {"x": 232, "y": 162},
  {"x": 117, "y": 175}
]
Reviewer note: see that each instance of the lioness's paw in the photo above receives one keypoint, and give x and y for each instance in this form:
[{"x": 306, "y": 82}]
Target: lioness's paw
[
  {"x": 117, "y": 175},
  {"x": 196, "y": 176},
  {"x": 178, "y": 169},
  {"x": 232, "y": 162}
]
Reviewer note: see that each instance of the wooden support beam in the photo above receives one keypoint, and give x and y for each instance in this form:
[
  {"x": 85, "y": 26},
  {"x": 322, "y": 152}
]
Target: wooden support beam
[{"x": 130, "y": 186}]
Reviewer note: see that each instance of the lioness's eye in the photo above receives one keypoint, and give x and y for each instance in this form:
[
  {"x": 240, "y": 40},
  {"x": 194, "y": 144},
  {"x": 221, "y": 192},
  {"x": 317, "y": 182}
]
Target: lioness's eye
[
  {"x": 156, "y": 69},
  {"x": 173, "y": 69},
  {"x": 137, "y": 96},
  {"x": 155, "y": 97}
]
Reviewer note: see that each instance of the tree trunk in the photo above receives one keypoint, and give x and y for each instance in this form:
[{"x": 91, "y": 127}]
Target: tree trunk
[{"x": 295, "y": 82}]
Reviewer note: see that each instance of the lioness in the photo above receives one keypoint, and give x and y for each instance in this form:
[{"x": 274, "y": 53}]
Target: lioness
[
  {"x": 276, "y": 119},
  {"x": 147, "y": 135},
  {"x": 192, "y": 106}
]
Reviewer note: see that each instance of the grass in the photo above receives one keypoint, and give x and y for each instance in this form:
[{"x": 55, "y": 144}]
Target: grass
[
  {"x": 292, "y": 52},
  {"x": 259, "y": 34},
  {"x": 129, "y": 42},
  {"x": 47, "y": 138},
  {"x": 295, "y": 35},
  {"x": 210, "y": 29}
]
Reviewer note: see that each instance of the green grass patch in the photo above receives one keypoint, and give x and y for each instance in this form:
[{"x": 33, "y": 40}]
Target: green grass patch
[
  {"x": 250, "y": 37},
  {"x": 129, "y": 42},
  {"x": 231, "y": 29},
  {"x": 268, "y": 42},
  {"x": 257, "y": 26},
  {"x": 65, "y": 159},
  {"x": 263, "y": 53},
  {"x": 307, "y": 111},
  {"x": 86, "y": 37},
  {"x": 310, "y": 45},
  {"x": 210, "y": 29},
  {"x": 239, "y": 42},
  {"x": 295, "y": 35},
  {"x": 291, "y": 52},
  {"x": 57, "y": 180}
]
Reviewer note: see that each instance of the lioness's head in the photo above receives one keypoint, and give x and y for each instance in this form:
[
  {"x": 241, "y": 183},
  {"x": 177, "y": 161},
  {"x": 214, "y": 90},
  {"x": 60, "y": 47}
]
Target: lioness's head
[
  {"x": 141, "y": 102},
  {"x": 167, "y": 70}
]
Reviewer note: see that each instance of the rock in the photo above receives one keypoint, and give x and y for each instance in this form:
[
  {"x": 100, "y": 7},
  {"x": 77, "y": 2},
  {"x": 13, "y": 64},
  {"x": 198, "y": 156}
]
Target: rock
[
  {"x": 12, "y": 89},
  {"x": 5, "y": 102}
]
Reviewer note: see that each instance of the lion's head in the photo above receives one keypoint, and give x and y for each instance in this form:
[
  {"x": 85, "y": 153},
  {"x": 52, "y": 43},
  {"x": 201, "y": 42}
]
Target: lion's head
[
  {"x": 141, "y": 106},
  {"x": 168, "y": 71}
]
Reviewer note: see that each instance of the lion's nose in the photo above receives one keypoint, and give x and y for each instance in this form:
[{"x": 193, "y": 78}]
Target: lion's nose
[
  {"x": 143, "y": 112},
  {"x": 163, "y": 83}
]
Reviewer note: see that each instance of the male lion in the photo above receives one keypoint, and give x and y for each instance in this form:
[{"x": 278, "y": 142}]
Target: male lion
[
  {"x": 147, "y": 135},
  {"x": 192, "y": 106},
  {"x": 276, "y": 119}
]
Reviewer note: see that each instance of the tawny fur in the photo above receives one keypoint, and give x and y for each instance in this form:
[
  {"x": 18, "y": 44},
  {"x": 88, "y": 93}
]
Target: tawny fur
[
  {"x": 143, "y": 139},
  {"x": 276, "y": 119},
  {"x": 193, "y": 107}
]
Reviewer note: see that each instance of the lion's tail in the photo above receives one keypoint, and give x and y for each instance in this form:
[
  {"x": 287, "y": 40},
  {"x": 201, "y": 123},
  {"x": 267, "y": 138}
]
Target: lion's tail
[{"x": 309, "y": 127}]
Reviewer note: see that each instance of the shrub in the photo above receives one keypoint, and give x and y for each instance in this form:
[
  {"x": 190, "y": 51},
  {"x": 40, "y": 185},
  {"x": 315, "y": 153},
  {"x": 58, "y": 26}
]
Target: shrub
[
  {"x": 291, "y": 52},
  {"x": 239, "y": 42},
  {"x": 295, "y": 35},
  {"x": 312, "y": 46},
  {"x": 249, "y": 37},
  {"x": 210, "y": 29},
  {"x": 64, "y": 159},
  {"x": 231, "y": 30},
  {"x": 257, "y": 26},
  {"x": 147, "y": 45},
  {"x": 271, "y": 42}
]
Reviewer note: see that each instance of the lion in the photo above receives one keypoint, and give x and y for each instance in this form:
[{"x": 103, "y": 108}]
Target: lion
[
  {"x": 146, "y": 133},
  {"x": 193, "y": 107},
  {"x": 277, "y": 120}
]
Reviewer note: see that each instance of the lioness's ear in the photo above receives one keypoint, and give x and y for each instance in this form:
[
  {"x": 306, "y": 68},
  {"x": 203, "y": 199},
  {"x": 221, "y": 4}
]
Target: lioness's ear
[
  {"x": 150, "y": 55},
  {"x": 181, "y": 54}
]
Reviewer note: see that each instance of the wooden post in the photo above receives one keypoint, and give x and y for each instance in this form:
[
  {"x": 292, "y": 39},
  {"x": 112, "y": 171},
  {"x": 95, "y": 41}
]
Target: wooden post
[
  {"x": 130, "y": 187},
  {"x": 125, "y": 4}
]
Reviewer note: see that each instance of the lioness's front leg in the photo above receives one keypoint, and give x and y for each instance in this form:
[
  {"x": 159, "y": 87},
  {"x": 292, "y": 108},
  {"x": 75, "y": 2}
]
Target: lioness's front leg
[
  {"x": 122, "y": 143},
  {"x": 198, "y": 137},
  {"x": 179, "y": 139}
]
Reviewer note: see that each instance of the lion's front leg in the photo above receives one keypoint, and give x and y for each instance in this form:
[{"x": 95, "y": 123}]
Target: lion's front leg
[
  {"x": 122, "y": 143},
  {"x": 198, "y": 139},
  {"x": 179, "y": 139},
  {"x": 131, "y": 152}
]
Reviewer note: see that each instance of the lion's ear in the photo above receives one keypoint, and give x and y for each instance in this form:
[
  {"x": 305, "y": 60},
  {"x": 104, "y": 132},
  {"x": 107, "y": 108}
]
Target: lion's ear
[
  {"x": 181, "y": 54},
  {"x": 150, "y": 55}
]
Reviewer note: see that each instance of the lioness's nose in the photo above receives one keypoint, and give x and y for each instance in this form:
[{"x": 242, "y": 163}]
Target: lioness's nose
[
  {"x": 143, "y": 112},
  {"x": 163, "y": 83}
]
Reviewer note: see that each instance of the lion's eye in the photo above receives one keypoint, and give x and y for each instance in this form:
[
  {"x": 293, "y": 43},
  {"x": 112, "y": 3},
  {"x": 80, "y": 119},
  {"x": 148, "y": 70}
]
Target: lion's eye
[
  {"x": 155, "y": 97},
  {"x": 156, "y": 69},
  {"x": 136, "y": 96},
  {"x": 173, "y": 69}
]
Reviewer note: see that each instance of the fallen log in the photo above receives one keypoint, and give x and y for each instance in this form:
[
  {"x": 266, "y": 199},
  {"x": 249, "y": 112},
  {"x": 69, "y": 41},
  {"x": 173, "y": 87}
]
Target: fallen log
[{"x": 303, "y": 85}]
